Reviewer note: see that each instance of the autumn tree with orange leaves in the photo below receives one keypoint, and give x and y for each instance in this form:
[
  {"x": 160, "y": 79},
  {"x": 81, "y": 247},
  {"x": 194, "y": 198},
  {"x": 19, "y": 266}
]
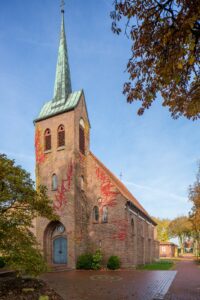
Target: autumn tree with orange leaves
[{"x": 165, "y": 53}]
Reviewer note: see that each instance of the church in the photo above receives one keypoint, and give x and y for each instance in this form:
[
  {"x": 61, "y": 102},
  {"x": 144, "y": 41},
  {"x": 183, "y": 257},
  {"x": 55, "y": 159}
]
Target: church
[{"x": 96, "y": 210}]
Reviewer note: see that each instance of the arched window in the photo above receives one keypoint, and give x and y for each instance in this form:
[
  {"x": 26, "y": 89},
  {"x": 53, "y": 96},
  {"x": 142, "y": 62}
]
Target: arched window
[
  {"x": 61, "y": 136},
  {"x": 96, "y": 214},
  {"x": 105, "y": 214},
  {"x": 82, "y": 183},
  {"x": 54, "y": 183},
  {"x": 82, "y": 136},
  {"x": 47, "y": 139}
]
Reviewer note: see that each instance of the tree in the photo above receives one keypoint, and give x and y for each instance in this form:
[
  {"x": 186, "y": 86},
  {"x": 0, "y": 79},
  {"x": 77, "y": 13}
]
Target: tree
[
  {"x": 181, "y": 228},
  {"x": 165, "y": 53},
  {"x": 20, "y": 203},
  {"x": 194, "y": 197},
  {"x": 162, "y": 229}
]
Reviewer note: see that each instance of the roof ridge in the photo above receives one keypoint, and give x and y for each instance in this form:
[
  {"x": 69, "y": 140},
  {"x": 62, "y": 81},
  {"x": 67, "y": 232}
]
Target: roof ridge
[{"x": 123, "y": 189}]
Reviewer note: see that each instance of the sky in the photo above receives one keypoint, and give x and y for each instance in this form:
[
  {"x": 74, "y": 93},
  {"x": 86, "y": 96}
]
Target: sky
[{"x": 156, "y": 155}]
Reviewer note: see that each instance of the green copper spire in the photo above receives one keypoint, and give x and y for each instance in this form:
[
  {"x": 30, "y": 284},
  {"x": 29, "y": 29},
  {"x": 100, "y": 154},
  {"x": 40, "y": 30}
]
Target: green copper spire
[{"x": 62, "y": 87}]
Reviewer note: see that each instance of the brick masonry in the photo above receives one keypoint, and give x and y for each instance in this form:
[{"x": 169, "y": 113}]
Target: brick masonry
[{"x": 83, "y": 183}]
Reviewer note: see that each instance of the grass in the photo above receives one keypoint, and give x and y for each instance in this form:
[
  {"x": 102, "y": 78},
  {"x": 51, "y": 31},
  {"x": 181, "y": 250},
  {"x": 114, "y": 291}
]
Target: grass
[{"x": 158, "y": 265}]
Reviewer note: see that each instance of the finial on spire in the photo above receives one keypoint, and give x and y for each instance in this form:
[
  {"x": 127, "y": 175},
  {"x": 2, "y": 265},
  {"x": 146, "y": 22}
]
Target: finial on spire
[{"x": 62, "y": 5}]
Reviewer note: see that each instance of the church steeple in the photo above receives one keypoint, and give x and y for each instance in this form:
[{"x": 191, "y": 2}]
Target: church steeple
[{"x": 62, "y": 87}]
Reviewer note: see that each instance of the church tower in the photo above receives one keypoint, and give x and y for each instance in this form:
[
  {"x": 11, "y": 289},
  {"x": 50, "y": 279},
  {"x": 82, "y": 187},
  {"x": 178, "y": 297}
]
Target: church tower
[{"x": 62, "y": 132}]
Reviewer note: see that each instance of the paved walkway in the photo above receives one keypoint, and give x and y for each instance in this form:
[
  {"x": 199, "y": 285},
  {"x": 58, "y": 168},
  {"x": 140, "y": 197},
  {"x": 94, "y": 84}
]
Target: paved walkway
[
  {"x": 111, "y": 285},
  {"x": 186, "y": 285}
]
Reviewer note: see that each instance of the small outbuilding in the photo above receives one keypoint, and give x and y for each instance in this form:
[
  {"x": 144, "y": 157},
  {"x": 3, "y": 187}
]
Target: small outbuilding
[{"x": 168, "y": 249}]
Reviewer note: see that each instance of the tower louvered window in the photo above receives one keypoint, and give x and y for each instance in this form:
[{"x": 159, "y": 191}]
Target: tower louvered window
[
  {"x": 81, "y": 139},
  {"x": 47, "y": 139},
  {"x": 61, "y": 136}
]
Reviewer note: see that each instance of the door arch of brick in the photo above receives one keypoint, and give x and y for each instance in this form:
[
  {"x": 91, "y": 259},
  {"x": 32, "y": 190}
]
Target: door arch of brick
[{"x": 54, "y": 230}]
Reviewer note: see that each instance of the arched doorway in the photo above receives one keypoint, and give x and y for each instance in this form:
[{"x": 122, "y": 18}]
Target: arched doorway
[{"x": 55, "y": 244}]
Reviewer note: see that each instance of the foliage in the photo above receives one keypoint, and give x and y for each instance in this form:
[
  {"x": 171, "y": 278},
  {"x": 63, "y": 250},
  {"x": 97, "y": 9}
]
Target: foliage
[
  {"x": 84, "y": 261},
  {"x": 113, "y": 262},
  {"x": 159, "y": 265},
  {"x": 165, "y": 51},
  {"x": 2, "y": 262},
  {"x": 162, "y": 229},
  {"x": 180, "y": 227},
  {"x": 194, "y": 197},
  {"x": 96, "y": 260},
  {"x": 90, "y": 261},
  {"x": 20, "y": 203}
]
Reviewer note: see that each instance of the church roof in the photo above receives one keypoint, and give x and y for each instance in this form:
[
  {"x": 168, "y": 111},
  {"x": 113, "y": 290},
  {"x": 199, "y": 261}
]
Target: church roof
[
  {"x": 122, "y": 188},
  {"x": 53, "y": 108}
]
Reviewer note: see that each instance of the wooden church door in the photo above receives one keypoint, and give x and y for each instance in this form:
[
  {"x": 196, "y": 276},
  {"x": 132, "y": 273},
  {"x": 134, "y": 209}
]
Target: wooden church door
[{"x": 60, "y": 250}]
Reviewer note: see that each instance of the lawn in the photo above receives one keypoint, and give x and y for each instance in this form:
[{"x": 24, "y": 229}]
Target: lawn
[{"x": 158, "y": 265}]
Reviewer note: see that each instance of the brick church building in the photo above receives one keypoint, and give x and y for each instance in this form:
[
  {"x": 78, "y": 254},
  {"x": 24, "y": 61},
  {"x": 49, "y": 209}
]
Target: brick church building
[{"x": 96, "y": 210}]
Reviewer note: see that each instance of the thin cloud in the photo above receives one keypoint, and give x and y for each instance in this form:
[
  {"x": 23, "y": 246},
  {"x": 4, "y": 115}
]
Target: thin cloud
[{"x": 157, "y": 191}]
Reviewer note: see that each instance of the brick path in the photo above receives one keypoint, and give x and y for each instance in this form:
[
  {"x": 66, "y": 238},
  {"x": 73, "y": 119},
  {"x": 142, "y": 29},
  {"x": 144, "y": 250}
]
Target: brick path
[
  {"x": 186, "y": 285},
  {"x": 111, "y": 285}
]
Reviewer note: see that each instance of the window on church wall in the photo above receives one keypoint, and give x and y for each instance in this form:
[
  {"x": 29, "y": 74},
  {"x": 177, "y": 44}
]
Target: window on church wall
[
  {"x": 47, "y": 139},
  {"x": 54, "y": 183},
  {"x": 105, "y": 214},
  {"x": 82, "y": 183},
  {"x": 132, "y": 227},
  {"x": 61, "y": 136},
  {"x": 82, "y": 136},
  {"x": 96, "y": 214}
]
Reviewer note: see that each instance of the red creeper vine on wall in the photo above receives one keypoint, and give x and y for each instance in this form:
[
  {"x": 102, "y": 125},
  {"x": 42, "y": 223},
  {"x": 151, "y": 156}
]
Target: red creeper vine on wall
[
  {"x": 108, "y": 190},
  {"x": 39, "y": 153},
  {"x": 61, "y": 196}
]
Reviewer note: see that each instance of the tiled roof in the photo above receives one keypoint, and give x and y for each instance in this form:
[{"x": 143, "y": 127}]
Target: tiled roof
[
  {"x": 168, "y": 243},
  {"x": 124, "y": 191},
  {"x": 53, "y": 108}
]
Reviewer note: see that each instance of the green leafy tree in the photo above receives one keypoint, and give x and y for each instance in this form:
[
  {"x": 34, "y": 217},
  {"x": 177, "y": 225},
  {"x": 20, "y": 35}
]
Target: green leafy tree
[
  {"x": 194, "y": 197},
  {"x": 20, "y": 203},
  {"x": 165, "y": 53},
  {"x": 162, "y": 229},
  {"x": 181, "y": 227}
]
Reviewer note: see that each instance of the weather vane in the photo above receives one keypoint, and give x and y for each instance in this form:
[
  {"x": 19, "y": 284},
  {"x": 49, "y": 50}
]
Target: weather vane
[{"x": 62, "y": 5}]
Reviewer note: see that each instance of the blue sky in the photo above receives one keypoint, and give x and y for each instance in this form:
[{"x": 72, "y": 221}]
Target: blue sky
[{"x": 156, "y": 154}]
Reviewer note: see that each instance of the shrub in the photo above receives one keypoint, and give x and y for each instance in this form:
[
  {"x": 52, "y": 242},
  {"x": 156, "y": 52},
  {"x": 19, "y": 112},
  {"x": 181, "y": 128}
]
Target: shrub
[
  {"x": 84, "y": 261},
  {"x": 113, "y": 262},
  {"x": 2, "y": 262},
  {"x": 96, "y": 260}
]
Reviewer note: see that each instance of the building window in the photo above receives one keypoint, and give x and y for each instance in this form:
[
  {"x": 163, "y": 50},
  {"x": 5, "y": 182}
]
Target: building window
[
  {"x": 54, "y": 183},
  {"x": 132, "y": 227},
  {"x": 96, "y": 214},
  {"x": 105, "y": 214},
  {"x": 47, "y": 139},
  {"x": 61, "y": 136},
  {"x": 82, "y": 137},
  {"x": 163, "y": 249},
  {"x": 82, "y": 183}
]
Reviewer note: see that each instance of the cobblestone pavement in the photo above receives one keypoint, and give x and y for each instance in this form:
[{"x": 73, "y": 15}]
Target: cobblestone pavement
[
  {"x": 186, "y": 285},
  {"x": 111, "y": 285}
]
